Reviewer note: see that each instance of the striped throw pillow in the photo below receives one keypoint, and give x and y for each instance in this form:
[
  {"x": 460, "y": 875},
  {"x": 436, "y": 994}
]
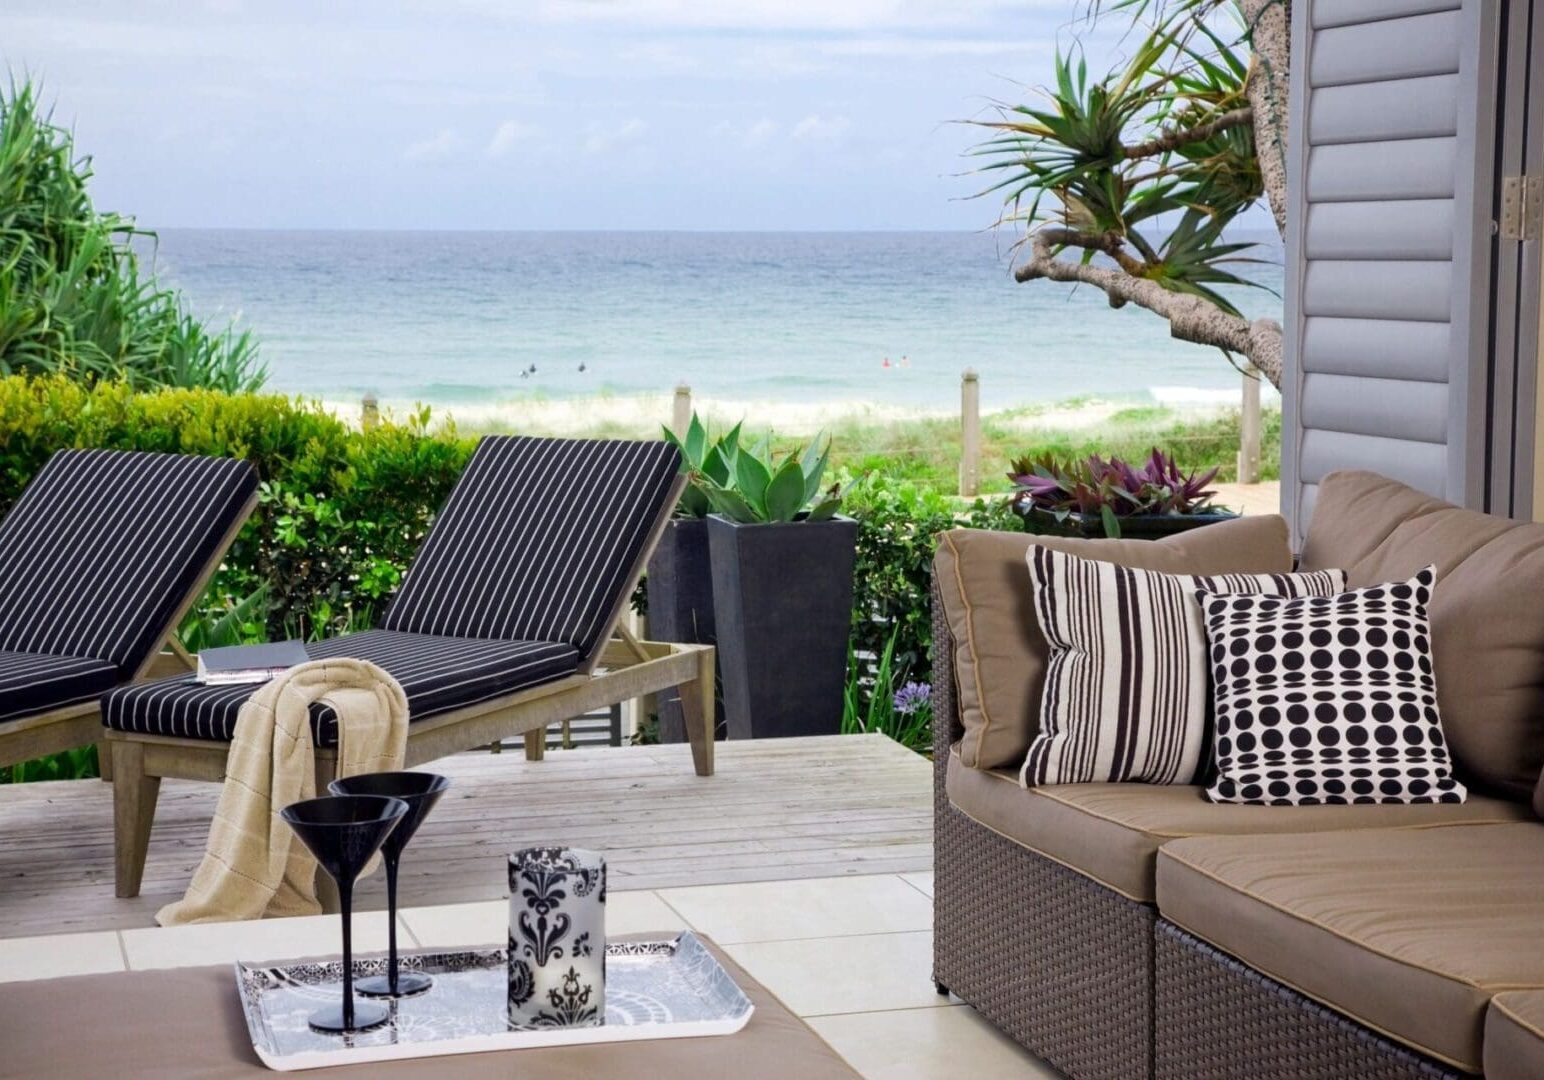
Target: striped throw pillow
[{"x": 1126, "y": 694}]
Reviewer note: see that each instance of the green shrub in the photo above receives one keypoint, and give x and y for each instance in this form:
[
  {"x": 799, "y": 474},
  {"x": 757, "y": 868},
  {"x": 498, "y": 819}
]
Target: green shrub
[
  {"x": 73, "y": 297},
  {"x": 340, "y": 512}
]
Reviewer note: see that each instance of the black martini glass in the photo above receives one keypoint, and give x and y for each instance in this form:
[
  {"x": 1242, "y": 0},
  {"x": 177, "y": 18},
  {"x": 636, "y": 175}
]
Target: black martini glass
[
  {"x": 343, "y": 831},
  {"x": 420, "y": 791}
]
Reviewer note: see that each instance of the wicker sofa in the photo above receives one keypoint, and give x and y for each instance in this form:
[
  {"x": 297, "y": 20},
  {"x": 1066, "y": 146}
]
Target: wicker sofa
[{"x": 1124, "y": 930}]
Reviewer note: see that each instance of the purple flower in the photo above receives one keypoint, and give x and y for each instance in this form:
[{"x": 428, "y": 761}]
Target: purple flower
[{"x": 913, "y": 697}]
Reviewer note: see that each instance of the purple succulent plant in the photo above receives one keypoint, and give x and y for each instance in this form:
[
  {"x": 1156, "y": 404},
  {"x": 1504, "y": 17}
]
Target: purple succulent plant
[{"x": 1097, "y": 486}]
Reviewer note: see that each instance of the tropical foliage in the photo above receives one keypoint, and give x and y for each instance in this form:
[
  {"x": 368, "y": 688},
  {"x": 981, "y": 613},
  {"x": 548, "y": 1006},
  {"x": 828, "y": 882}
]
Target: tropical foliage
[
  {"x": 74, "y": 298},
  {"x": 1109, "y": 488},
  {"x": 1138, "y": 172}
]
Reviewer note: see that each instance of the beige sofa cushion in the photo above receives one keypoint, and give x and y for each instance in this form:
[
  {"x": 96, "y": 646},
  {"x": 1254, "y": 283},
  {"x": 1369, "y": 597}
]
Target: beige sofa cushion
[
  {"x": 1000, "y": 654},
  {"x": 1410, "y": 932},
  {"x": 1112, "y": 832},
  {"x": 1486, "y": 617},
  {"x": 1514, "y": 1036}
]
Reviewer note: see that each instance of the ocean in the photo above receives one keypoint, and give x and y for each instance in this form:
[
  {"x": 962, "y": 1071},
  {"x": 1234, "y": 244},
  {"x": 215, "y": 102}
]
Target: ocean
[{"x": 454, "y": 318}]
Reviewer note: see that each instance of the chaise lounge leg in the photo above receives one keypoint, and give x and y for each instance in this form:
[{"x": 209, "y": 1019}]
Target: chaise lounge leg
[
  {"x": 134, "y": 797},
  {"x": 698, "y": 709},
  {"x": 105, "y": 760},
  {"x": 536, "y": 744}
]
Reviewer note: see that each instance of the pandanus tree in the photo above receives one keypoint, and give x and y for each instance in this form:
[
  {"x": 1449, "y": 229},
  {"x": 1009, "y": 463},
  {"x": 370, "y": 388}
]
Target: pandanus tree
[{"x": 1128, "y": 182}]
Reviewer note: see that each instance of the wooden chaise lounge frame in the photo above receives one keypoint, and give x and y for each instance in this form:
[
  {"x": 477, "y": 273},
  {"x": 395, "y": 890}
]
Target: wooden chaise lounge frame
[
  {"x": 80, "y": 724},
  {"x": 633, "y": 668}
]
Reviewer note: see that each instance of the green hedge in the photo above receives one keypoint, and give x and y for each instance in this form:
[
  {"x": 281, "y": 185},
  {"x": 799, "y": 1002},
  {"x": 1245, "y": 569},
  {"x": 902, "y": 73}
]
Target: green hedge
[{"x": 340, "y": 514}]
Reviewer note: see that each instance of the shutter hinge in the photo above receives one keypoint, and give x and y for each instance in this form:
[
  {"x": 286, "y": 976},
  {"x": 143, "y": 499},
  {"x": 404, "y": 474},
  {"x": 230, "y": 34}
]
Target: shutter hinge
[{"x": 1522, "y": 208}]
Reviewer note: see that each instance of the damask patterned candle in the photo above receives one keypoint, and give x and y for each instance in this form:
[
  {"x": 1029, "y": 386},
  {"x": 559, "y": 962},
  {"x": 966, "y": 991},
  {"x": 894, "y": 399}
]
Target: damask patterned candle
[{"x": 557, "y": 938}]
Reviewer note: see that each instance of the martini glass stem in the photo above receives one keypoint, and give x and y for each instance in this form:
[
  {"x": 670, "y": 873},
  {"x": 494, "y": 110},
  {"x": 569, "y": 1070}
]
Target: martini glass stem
[
  {"x": 391, "y": 910},
  {"x": 346, "y": 904}
]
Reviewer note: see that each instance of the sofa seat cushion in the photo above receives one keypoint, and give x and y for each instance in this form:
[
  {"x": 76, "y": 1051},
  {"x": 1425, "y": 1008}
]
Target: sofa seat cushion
[
  {"x": 1487, "y": 626},
  {"x": 1514, "y": 1036},
  {"x": 1409, "y": 932},
  {"x": 1112, "y": 832},
  {"x": 1000, "y": 655}
]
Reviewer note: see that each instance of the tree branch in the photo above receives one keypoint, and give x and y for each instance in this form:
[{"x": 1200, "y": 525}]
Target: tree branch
[
  {"x": 1270, "y": 34},
  {"x": 1174, "y": 137},
  {"x": 1108, "y": 243},
  {"x": 1191, "y": 318}
]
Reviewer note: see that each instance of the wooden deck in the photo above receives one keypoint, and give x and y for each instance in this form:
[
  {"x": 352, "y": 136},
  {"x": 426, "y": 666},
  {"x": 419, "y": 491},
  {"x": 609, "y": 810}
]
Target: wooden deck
[{"x": 777, "y": 809}]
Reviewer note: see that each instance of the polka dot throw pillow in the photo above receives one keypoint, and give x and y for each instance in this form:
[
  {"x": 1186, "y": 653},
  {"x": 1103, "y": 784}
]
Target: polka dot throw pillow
[{"x": 1327, "y": 699}]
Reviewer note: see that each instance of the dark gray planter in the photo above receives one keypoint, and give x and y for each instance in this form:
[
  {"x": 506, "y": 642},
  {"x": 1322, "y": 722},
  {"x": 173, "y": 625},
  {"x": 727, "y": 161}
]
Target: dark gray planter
[
  {"x": 1135, "y": 527},
  {"x": 782, "y": 597},
  {"x": 680, "y": 586}
]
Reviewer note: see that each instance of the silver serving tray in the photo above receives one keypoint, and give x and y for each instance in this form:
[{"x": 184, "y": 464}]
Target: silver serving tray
[{"x": 670, "y": 988}]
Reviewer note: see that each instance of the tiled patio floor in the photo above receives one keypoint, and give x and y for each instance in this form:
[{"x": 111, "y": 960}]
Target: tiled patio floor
[{"x": 852, "y": 955}]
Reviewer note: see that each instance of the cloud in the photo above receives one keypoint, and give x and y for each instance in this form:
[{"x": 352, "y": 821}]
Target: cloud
[
  {"x": 507, "y": 135},
  {"x": 774, "y": 14},
  {"x": 816, "y": 126},
  {"x": 435, "y": 148},
  {"x": 604, "y": 139}
]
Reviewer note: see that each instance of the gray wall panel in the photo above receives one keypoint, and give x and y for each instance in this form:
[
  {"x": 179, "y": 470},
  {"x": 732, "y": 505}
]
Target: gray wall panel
[
  {"x": 1378, "y": 348},
  {"x": 1403, "y": 109},
  {"x": 1417, "y": 291},
  {"x": 1390, "y": 49},
  {"x": 1405, "y": 169},
  {"x": 1420, "y": 464},
  {"x": 1328, "y": 13},
  {"x": 1388, "y": 408},
  {"x": 1409, "y": 229}
]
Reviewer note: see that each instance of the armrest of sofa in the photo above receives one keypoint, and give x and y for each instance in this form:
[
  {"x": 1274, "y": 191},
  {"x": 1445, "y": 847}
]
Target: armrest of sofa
[{"x": 947, "y": 729}]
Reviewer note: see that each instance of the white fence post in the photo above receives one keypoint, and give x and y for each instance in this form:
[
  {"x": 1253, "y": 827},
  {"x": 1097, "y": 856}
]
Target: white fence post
[
  {"x": 681, "y": 410},
  {"x": 970, "y": 433},
  {"x": 1249, "y": 430}
]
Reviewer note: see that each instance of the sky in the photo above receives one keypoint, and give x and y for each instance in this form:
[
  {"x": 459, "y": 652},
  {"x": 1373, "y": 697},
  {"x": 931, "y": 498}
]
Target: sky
[{"x": 539, "y": 114}]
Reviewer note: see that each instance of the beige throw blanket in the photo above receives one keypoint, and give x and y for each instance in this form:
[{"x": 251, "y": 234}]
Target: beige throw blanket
[{"x": 255, "y": 864}]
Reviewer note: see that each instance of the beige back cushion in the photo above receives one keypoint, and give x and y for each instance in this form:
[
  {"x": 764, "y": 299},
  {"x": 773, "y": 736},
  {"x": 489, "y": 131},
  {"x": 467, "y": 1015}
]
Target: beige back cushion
[
  {"x": 999, "y": 652},
  {"x": 1487, "y": 612}
]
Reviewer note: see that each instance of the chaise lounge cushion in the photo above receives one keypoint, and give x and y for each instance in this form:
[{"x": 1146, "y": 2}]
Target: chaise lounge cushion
[
  {"x": 101, "y": 551},
  {"x": 438, "y": 674},
  {"x": 538, "y": 541},
  {"x": 1514, "y": 1036},
  {"x": 34, "y": 683},
  {"x": 1112, "y": 832},
  {"x": 1409, "y": 932},
  {"x": 1001, "y": 655},
  {"x": 1487, "y": 624}
]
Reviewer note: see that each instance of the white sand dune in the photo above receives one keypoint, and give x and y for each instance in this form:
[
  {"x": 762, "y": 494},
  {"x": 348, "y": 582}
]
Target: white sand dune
[{"x": 643, "y": 414}]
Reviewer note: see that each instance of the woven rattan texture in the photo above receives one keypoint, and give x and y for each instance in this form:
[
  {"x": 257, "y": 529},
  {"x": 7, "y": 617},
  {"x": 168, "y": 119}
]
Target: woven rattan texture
[
  {"x": 1062, "y": 965},
  {"x": 1220, "y": 1020}
]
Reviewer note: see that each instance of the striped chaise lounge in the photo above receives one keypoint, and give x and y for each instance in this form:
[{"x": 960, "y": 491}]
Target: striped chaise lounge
[
  {"x": 503, "y": 625},
  {"x": 100, "y": 558}
]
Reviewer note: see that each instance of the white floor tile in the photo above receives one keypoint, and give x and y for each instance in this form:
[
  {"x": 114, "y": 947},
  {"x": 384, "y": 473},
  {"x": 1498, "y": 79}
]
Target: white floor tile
[
  {"x": 487, "y": 922},
  {"x": 922, "y": 880},
  {"x": 259, "y": 940},
  {"x": 57, "y": 955},
  {"x": 815, "y": 908},
  {"x": 845, "y": 974},
  {"x": 928, "y": 1044}
]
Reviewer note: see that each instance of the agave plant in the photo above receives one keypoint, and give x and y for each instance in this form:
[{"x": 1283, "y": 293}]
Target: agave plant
[
  {"x": 706, "y": 456},
  {"x": 757, "y": 486},
  {"x": 1110, "y": 489}
]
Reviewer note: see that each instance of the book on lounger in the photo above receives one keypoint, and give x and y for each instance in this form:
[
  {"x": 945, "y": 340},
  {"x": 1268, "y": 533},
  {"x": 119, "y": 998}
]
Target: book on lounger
[{"x": 248, "y": 663}]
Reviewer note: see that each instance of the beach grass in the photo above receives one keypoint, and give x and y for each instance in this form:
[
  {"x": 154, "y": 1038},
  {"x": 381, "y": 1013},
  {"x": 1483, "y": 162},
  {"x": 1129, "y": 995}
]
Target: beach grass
[{"x": 925, "y": 449}]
